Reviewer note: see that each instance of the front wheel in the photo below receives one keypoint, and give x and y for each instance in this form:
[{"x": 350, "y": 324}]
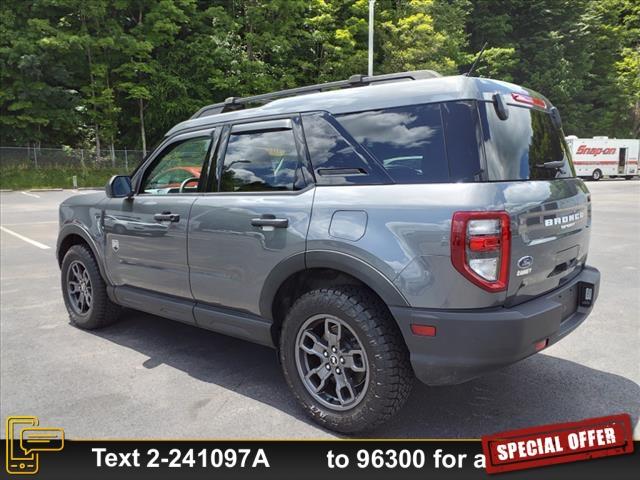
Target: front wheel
[
  {"x": 344, "y": 358},
  {"x": 596, "y": 175},
  {"x": 85, "y": 291}
]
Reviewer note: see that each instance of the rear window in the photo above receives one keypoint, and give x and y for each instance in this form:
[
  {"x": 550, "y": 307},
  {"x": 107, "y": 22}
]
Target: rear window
[
  {"x": 432, "y": 143},
  {"x": 518, "y": 147}
]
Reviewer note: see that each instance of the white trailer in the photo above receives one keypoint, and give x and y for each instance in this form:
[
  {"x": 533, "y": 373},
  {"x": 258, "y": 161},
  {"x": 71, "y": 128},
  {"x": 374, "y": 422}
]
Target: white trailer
[{"x": 602, "y": 156}]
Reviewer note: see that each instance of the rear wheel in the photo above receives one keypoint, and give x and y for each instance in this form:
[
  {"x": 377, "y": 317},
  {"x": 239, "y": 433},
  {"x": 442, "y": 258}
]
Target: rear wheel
[
  {"x": 628, "y": 177},
  {"x": 85, "y": 291},
  {"x": 344, "y": 358},
  {"x": 596, "y": 175}
]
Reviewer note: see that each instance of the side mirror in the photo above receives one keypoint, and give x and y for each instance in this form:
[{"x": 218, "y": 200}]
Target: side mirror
[{"x": 119, "y": 186}]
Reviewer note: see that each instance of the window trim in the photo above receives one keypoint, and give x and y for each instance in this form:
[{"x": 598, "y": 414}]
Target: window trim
[
  {"x": 210, "y": 173},
  {"x": 278, "y": 124},
  {"x": 303, "y": 152},
  {"x": 141, "y": 175}
]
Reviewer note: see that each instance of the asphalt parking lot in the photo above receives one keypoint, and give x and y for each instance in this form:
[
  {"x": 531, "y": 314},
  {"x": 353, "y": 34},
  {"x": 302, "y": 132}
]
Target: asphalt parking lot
[{"x": 147, "y": 377}]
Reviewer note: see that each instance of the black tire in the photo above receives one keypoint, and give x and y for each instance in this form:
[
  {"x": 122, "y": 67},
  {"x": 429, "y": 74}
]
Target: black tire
[
  {"x": 596, "y": 175},
  {"x": 101, "y": 311},
  {"x": 628, "y": 177},
  {"x": 390, "y": 376}
]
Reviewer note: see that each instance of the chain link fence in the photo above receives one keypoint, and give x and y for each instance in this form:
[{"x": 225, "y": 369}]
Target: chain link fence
[
  {"x": 124, "y": 160},
  {"x": 28, "y": 167}
]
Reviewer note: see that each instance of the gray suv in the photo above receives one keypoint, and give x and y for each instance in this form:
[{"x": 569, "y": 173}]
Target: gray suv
[{"x": 371, "y": 230}]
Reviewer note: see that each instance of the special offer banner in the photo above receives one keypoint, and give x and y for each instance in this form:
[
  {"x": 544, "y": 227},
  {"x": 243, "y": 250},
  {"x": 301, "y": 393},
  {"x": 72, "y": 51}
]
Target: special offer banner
[
  {"x": 591, "y": 448},
  {"x": 560, "y": 443}
]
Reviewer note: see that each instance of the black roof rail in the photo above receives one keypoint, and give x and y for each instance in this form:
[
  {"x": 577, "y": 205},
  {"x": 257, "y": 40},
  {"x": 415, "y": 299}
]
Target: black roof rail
[{"x": 238, "y": 103}]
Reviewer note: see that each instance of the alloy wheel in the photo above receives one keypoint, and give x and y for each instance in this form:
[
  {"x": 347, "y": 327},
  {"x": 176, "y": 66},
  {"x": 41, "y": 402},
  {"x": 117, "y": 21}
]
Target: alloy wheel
[
  {"x": 331, "y": 362},
  {"x": 79, "y": 288}
]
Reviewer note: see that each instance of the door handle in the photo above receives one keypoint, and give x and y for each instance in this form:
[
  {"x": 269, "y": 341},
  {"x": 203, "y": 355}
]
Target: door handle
[
  {"x": 166, "y": 217},
  {"x": 269, "y": 220}
]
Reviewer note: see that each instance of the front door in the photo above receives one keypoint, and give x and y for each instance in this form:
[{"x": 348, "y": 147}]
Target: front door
[
  {"x": 256, "y": 217},
  {"x": 146, "y": 236},
  {"x": 622, "y": 160}
]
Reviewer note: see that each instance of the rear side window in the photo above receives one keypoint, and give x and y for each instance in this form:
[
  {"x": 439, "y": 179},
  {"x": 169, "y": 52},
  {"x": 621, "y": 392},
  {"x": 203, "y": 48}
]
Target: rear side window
[
  {"x": 517, "y": 148},
  {"x": 463, "y": 141},
  {"x": 407, "y": 141},
  {"x": 335, "y": 161},
  {"x": 260, "y": 161}
]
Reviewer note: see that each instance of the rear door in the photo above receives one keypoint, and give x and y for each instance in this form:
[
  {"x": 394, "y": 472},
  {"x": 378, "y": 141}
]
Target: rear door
[
  {"x": 147, "y": 235},
  {"x": 549, "y": 207},
  {"x": 622, "y": 160},
  {"x": 255, "y": 216}
]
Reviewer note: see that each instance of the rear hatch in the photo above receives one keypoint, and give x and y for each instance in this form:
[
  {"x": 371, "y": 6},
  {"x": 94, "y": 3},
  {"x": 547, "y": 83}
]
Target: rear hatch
[{"x": 550, "y": 208}]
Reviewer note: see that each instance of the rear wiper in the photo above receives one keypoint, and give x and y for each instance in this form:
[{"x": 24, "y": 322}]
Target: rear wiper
[
  {"x": 552, "y": 165},
  {"x": 557, "y": 166}
]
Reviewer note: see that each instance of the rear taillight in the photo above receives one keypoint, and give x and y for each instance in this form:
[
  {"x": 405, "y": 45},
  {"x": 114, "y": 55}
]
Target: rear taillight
[{"x": 480, "y": 248}]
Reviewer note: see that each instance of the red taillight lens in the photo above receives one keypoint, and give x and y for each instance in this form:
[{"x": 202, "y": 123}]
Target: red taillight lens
[
  {"x": 484, "y": 244},
  {"x": 521, "y": 98},
  {"x": 480, "y": 248}
]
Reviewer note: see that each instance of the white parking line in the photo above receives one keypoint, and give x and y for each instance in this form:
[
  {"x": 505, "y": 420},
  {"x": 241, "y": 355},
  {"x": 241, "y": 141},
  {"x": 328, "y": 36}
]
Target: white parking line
[
  {"x": 30, "y": 194},
  {"x": 29, "y": 223},
  {"x": 25, "y": 239}
]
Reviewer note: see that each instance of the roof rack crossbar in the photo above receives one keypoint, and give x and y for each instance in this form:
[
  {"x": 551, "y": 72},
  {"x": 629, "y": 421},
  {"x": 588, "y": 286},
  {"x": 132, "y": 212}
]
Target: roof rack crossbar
[{"x": 237, "y": 103}]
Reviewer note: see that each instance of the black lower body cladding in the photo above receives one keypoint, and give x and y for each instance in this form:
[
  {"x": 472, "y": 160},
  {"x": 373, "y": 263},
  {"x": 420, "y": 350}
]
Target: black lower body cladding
[{"x": 469, "y": 343}]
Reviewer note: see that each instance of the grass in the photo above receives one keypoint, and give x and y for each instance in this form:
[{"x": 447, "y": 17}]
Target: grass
[{"x": 24, "y": 177}]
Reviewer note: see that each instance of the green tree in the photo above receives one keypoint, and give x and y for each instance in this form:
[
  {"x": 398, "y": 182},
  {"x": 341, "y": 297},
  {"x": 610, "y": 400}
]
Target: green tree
[
  {"x": 150, "y": 26},
  {"x": 579, "y": 54},
  {"x": 124, "y": 71},
  {"x": 39, "y": 95}
]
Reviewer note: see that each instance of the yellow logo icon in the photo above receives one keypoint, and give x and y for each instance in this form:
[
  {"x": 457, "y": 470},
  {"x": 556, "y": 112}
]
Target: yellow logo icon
[{"x": 25, "y": 441}]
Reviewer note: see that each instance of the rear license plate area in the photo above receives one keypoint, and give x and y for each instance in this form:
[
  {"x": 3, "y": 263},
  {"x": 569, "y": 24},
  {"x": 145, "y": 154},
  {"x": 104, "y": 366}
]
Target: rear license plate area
[
  {"x": 569, "y": 299},
  {"x": 586, "y": 292}
]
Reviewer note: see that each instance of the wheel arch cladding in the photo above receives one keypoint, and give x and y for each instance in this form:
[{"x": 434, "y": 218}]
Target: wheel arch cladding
[
  {"x": 300, "y": 273},
  {"x": 71, "y": 235}
]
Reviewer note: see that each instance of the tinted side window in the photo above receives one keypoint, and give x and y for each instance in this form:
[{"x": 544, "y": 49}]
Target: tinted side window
[
  {"x": 463, "y": 141},
  {"x": 260, "y": 161},
  {"x": 178, "y": 168},
  {"x": 334, "y": 160},
  {"x": 407, "y": 141}
]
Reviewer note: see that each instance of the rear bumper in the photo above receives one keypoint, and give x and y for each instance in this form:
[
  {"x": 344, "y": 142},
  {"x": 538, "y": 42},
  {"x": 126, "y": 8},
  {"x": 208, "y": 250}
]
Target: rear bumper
[{"x": 470, "y": 343}]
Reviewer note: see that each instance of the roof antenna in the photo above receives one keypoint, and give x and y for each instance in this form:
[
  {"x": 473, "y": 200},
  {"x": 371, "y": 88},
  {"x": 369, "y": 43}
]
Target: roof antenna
[{"x": 476, "y": 60}]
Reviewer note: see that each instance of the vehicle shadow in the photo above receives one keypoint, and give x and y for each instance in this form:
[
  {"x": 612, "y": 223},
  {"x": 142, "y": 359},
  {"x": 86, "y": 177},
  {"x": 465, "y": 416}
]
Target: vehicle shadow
[{"x": 537, "y": 391}]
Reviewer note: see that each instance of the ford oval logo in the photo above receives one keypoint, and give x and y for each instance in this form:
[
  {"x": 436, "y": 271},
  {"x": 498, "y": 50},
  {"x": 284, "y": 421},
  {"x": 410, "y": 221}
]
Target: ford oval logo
[{"x": 525, "y": 262}]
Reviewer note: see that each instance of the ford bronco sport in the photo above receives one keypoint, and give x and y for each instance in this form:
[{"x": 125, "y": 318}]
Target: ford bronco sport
[{"x": 372, "y": 230}]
